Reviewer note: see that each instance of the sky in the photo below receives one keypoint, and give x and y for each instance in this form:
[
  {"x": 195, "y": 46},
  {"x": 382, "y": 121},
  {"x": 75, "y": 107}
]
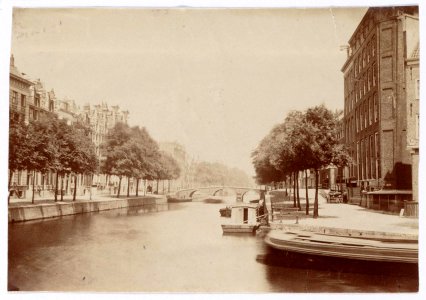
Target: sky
[{"x": 213, "y": 80}]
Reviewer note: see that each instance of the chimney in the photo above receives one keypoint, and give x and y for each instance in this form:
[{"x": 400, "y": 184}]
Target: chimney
[{"x": 12, "y": 60}]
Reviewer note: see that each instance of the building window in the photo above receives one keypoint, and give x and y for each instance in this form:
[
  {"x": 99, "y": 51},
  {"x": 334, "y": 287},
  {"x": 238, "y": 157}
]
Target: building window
[
  {"x": 37, "y": 101},
  {"x": 356, "y": 119},
  {"x": 363, "y": 59},
  {"x": 358, "y": 164},
  {"x": 31, "y": 114},
  {"x": 373, "y": 46},
  {"x": 367, "y": 159},
  {"x": 23, "y": 101},
  {"x": 369, "y": 79},
  {"x": 374, "y": 75},
  {"x": 365, "y": 114},
  {"x": 377, "y": 149},
  {"x": 370, "y": 111},
  {"x": 372, "y": 158},
  {"x": 368, "y": 52},
  {"x": 376, "y": 108},
  {"x": 14, "y": 97}
]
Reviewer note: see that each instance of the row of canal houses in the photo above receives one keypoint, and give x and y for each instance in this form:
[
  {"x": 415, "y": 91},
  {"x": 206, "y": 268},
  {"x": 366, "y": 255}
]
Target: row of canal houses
[{"x": 29, "y": 101}]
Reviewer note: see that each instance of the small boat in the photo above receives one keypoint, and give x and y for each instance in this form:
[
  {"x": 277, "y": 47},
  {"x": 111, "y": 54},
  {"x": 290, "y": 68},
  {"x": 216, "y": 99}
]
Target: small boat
[
  {"x": 243, "y": 219},
  {"x": 172, "y": 199},
  {"x": 225, "y": 212},
  {"x": 397, "y": 251}
]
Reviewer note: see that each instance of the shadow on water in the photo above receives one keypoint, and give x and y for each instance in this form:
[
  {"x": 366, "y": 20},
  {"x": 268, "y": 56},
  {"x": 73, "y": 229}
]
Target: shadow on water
[{"x": 332, "y": 272}]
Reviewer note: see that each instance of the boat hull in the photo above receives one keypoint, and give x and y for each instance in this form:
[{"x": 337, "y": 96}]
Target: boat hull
[
  {"x": 239, "y": 228},
  {"x": 176, "y": 200},
  {"x": 348, "y": 248}
]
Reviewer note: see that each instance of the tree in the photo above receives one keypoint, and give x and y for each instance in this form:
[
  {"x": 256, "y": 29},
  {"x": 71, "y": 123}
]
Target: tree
[
  {"x": 43, "y": 150},
  {"x": 83, "y": 158},
  {"x": 18, "y": 149},
  {"x": 303, "y": 141},
  {"x": 147, "y": 155},
  {"x": 324, "y": 147}
]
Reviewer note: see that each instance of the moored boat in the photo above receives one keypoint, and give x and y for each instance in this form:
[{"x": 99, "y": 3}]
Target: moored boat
[
  {"x": 225, "y": 212},
  {"x": 243, "y": 219},
  {"x": 172, "y": 199},
  {"x": 344, "y": 247}
]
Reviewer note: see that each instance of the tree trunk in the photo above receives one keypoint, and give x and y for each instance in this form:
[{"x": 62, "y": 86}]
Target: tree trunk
[
  {"x": 294, "y": 190},
  {"x": 119, "y": 186},
  {"x": 137, "y": 187},
  {"x": 297, "y": 191},
  {"x": 163, "y": 188},
  {"x": 56, "y": 186},
  {"x": 306, "y": 188},
  {"x": 91, "y": 184},
  {"x": 168, "y": 188},
  {"x": 144, "y": 187},
  {"x": 8, "y": 185},
  {"x": 158, "y": 182},
  {"x": 62, "y": 188},
  {"x": 67, "y": 183},
  {"x": 316, "y": 195},
  {"x": 75, "y": 188},
  {"x": 285, "y": 182},
  {"x": 32, "y": 198},
  {"x": 128, "y": 186}
]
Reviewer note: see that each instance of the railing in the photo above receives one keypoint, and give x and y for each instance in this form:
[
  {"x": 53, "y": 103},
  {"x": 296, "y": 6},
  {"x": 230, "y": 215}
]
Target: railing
[{"x": 411, "y": 209}]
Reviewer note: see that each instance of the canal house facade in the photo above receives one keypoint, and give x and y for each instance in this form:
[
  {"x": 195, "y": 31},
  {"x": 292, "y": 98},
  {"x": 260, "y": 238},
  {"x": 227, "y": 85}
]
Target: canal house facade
[{"x": 375, "y": 119}]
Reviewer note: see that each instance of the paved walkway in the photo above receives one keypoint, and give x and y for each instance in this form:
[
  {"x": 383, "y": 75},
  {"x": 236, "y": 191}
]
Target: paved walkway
[{"x": 352, "y": 217}]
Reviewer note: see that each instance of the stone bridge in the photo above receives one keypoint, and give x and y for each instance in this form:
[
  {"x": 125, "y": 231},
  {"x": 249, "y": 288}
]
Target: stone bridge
[{"x": 240, "y": 192}]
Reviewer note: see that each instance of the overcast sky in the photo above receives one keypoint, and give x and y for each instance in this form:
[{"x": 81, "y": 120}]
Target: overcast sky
[{"x": 214, "y": 80}]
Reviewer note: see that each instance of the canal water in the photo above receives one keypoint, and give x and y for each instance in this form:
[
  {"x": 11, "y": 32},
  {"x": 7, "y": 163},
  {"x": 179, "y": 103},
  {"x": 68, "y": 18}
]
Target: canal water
[{"x": 171, "y": 248}]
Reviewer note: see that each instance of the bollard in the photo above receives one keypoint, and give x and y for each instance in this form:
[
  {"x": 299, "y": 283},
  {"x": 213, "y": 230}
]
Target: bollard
[{"x": 297, "y": 219}]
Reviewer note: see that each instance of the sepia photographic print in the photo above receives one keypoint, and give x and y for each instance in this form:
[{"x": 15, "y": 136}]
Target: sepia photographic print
[{"x": 213, "y": 149}]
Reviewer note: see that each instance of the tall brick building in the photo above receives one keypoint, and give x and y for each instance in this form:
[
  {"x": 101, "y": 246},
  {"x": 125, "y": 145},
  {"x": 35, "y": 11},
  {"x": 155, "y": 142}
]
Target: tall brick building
[{"x": 375, "y": 108}]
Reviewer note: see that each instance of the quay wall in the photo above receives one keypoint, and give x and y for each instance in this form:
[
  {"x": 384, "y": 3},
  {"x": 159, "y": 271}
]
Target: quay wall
[{"x": 52, "y": 210}]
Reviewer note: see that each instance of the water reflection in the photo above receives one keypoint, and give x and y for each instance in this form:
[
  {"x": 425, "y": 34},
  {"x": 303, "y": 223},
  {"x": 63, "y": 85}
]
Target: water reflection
[{"x": 176, "y": 247}]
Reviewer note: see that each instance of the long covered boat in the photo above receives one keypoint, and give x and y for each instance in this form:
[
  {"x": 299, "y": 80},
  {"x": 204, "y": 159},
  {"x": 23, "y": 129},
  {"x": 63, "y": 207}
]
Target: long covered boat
[{"x": 344, "y": 247}]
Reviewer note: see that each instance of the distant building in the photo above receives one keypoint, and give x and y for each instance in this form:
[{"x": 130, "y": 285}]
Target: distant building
[
  {"x": 177, "y": 151},
  {"x": 101, "y": 119},
  {"x": 68, "y": 110},
  {"x": 41, "y": 101},
  {"x": 375, "y": 108}
]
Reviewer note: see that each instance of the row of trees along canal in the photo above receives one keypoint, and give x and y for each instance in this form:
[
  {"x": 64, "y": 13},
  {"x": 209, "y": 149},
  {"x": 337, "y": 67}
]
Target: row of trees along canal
[
  {"x": 304, "y": 141},
  {"x": 51, "y": 145}
]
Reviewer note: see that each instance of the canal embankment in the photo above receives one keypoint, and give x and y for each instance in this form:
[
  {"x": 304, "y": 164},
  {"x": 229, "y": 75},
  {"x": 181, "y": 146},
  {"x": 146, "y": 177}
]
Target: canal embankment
[
  {"x": 348, "y": 220},
  {"x": 20, "y": 212}
]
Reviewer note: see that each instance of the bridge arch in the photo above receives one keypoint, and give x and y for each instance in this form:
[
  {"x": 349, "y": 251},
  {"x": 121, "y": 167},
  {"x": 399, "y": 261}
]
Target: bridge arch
[
  {"x": 251, "y": 190},
  {"x": 192, "y": 193}
]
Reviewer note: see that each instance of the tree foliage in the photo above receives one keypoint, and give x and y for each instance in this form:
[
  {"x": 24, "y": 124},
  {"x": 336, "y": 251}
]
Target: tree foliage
[
  {"x": 305, "y": 140},
  {"x": 50, "y": 144},
  {"x": 132, "y": 153}
]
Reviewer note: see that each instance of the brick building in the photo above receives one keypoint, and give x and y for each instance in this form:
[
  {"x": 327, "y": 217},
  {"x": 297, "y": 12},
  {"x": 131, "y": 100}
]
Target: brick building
[{"x": 375, "y": 107}]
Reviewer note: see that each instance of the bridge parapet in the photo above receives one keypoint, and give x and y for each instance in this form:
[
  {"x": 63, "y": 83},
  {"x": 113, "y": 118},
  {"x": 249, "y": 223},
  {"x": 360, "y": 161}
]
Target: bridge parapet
[{"x": 213, "y": 190}]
